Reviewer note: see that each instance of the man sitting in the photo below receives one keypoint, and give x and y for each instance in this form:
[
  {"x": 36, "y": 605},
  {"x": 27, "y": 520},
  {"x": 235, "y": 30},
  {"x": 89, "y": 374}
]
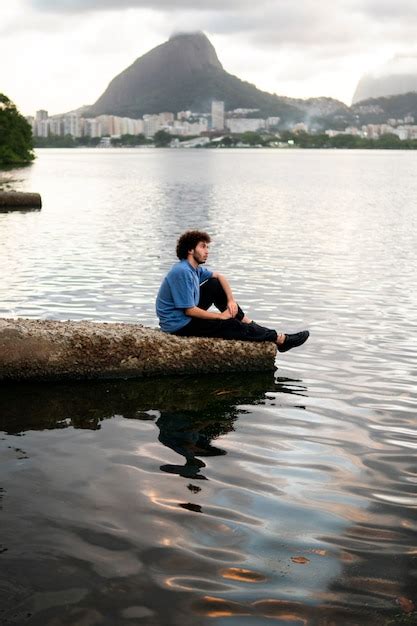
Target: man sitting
[{"x": 189, "y": 290}]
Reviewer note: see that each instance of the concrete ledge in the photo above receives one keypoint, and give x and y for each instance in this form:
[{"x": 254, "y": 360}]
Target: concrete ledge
[
  {"x": 50, "y": 350},
  {"x": 17, "y": 200}
]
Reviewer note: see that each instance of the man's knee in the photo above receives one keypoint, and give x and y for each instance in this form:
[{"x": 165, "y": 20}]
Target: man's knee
[
  {"x": 212, "y": 283},
  {"x": 211, "y": 290}
]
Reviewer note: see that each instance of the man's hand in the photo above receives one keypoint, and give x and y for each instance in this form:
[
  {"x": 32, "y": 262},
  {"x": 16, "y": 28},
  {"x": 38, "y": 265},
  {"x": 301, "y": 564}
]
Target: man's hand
[
  {"x": 225, "y": 315},
  {"x": 232, "y": 308}
]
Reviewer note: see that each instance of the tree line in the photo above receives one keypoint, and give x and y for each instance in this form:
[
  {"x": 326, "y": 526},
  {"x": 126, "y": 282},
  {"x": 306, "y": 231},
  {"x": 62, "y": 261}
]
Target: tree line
[{"x": 16, "y": 144}]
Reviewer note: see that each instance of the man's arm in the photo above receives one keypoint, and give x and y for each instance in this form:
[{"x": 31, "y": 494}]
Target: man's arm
[
  {"x": 231, "y": 303},
  {"x": 195, "y": 311},
  {"x": 231, "y": 310}
]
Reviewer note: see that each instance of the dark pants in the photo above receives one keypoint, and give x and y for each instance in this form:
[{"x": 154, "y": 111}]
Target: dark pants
[{"x": 211, "y": 292}]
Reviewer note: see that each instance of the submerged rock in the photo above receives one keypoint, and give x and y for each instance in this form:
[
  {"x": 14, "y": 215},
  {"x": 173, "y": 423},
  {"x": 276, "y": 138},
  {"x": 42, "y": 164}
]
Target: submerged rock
[{"x": 51, "y": 350}]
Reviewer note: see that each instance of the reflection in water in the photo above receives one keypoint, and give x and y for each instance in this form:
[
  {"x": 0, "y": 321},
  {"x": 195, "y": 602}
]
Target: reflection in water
[
  {"x": 85, "y": 405},
  {"x": 259, "y": 519},
  {"x": 191, "y": 438}
]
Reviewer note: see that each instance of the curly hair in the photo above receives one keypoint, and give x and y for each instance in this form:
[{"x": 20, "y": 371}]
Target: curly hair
[{"x": 189, "y": 240}]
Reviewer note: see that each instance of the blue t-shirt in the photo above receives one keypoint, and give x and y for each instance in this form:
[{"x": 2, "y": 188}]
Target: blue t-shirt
[{"x": 179, "y": 290}]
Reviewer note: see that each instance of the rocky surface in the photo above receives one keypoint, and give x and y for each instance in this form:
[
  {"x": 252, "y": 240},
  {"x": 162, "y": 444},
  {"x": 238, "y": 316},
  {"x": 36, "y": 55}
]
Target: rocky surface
[{"x": 52, "y": 350}]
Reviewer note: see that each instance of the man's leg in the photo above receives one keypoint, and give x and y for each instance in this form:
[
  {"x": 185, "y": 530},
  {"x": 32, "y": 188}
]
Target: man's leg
[
  {"x": 239, "y": 327},
  {"x": 234, "y": 329},
  {"x": 227, "y": 329},
  {"x": 211, "y": 292}
]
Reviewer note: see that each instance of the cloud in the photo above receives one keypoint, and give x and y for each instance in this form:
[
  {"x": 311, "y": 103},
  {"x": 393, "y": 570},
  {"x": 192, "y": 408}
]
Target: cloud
[
  {"x": 82, "y": 6},
  {"x": 382, "y": 10},
  {"x": 292, "y": 48},
  {"x": 333, "y": 27},
  {"x": 398, "y": 66}
]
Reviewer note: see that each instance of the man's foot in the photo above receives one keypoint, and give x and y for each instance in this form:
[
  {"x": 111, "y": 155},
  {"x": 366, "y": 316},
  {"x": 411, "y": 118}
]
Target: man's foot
[{"x": 293, "y": 341}]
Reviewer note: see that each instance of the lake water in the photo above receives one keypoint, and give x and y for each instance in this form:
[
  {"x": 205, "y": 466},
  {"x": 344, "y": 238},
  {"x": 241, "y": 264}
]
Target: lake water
[{"x": 233, "y": 500}]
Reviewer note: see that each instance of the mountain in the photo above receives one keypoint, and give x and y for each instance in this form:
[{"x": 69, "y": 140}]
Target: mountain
[
  {"x": 397, "y": 76},
  {"x": 185, "y": 73},
  {"x": 379, "y": 110}
]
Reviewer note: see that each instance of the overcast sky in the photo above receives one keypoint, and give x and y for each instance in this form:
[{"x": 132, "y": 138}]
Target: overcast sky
[{"x": 60, "y": 54}]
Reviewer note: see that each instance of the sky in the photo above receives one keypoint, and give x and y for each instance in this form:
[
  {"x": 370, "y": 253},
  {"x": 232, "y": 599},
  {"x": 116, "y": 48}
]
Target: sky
[{"x": 60, "y": 54}]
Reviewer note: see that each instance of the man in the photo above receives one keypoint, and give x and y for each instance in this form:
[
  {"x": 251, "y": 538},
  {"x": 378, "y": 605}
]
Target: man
[{"x": 189, "y": 290}]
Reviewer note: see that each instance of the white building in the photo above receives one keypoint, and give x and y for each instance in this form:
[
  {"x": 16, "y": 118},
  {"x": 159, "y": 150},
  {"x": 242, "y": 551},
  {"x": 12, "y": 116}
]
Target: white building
[
  {"x": 41, "y": 115},
  {"x": 244, "y": 124},
  {"x": 272, "y": 122},
  {"x": 72, "y": 125},
  {"x": 56, "y": 126},
  {"x": 107, "y": 124},
  {"x": 183, "y": 115},
  {"x": 217, "y": 115},
  {"x": 166, "y": 118},
  {"x": 92, "y": 127},
  {"x": 185, "y": 128},
  {"x": 151, "y": 124},
  {"x": 41, "y": 128},
  {"x": 130, "y": 126}
]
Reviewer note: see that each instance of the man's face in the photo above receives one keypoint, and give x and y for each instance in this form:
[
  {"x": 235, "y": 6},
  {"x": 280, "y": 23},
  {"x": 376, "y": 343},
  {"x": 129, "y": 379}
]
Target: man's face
[{"x": 200, "y": 252}]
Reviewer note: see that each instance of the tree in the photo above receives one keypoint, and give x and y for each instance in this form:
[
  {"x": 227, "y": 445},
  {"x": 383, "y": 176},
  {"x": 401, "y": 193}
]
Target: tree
[
  {"x": 129, "y": 140},
  {"x": 389, "y": 140},
  {"x": 55, "y": 141},
  {"x": 252, "y": 138},
  {"x": 162, "y": 139},
  {"x": 16, "y": 145}
]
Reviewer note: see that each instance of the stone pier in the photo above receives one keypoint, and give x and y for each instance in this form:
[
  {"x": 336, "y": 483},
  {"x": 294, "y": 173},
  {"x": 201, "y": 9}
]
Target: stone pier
[{"x": 52, "y": 350}]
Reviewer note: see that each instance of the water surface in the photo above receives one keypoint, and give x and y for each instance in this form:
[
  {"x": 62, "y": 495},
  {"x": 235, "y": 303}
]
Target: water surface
[{"x": 287, "y": 499}]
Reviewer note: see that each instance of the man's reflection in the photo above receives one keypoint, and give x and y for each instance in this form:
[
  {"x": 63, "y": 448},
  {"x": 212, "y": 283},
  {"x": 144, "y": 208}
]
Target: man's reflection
[{"x": 191, "y": 438}]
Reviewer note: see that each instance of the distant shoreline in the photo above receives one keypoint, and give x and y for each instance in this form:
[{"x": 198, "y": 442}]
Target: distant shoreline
[
  {"x": 399, "y": 148},
  {"x": 282, "y": 140}
]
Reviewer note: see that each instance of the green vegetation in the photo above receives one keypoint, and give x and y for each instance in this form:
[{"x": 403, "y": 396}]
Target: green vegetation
[
  {"x": 305, "y": 140},
  {"x": 162, "y": 139},
  {"x": 16, "y": 147},
  {"x": 129, "y": 140},
  {"x": 385, "y": 142},
  {"x": 66, "y": 141}
]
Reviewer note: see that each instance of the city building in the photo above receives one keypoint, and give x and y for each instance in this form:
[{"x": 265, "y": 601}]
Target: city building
[
  {"x": 41, "y": 126},
  {"x": 183, "y": 115},
  {"x": 107, "y": 124},
  {"x": 151, "y": 125},
  {"x": 166, "y": 118},
  {"x": 73, "y": 125},
  {"x": 56, "y": 126},
  {"x": 92, "y": 127},
  {"x": 272, "y": 122},
  {"x": 217, "y": 115},
  {"x": 244, "y": 124}
]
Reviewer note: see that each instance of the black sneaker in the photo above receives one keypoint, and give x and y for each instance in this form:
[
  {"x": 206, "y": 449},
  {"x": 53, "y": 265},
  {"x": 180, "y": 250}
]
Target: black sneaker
[{"x": 292, "y": 341}]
